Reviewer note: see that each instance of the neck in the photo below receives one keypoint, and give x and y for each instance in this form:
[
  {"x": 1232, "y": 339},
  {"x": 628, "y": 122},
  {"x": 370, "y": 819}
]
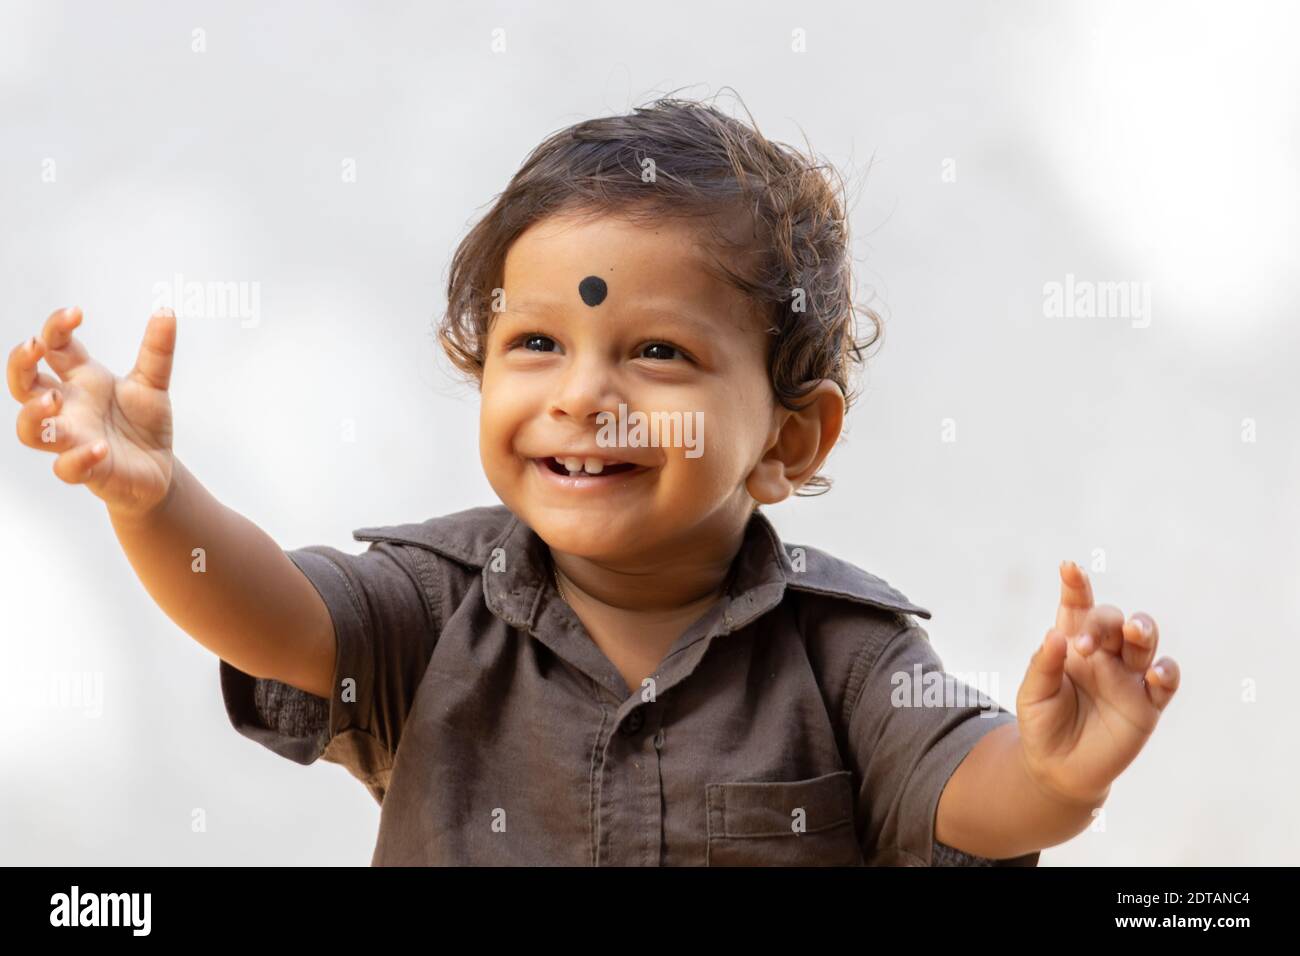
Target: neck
[{"x": 692, "y": 577}]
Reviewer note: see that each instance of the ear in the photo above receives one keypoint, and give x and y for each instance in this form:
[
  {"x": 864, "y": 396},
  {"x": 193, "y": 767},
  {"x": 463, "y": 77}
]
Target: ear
[{"x": 798, "y": 444}]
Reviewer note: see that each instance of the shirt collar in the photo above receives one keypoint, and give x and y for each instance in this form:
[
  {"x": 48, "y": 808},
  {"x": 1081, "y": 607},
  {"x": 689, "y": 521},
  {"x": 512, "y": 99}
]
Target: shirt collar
[{"x": 516, "y": 567}]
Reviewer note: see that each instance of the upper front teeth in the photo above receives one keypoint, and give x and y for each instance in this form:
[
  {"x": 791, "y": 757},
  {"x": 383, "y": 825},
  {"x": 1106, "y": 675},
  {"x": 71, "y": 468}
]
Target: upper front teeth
[{"x": 593, "y": 466}]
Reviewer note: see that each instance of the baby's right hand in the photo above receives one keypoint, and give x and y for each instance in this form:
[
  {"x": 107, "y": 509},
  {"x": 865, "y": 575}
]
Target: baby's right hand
[{"x": 114, "y": 435}]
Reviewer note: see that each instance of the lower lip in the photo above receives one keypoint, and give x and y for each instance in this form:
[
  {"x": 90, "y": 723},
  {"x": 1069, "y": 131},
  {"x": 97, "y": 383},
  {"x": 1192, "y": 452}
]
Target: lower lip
[{"x": 586, "y": 482}]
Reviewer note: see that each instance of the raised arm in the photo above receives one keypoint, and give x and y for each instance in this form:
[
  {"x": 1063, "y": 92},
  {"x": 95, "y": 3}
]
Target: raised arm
[
  {"x": 215, "y": 573},
  {"x": 1091, "y": 698}
]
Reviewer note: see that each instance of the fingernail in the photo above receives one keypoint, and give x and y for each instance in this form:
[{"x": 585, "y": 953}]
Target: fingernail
[
  {"x": 1141, "y": 624},
  {"x": 48, "y": 398},
  {"x": 1162, "y": 671},
  {"x": 99, "y": 447},
  {"x": 1084, "y": 643}
]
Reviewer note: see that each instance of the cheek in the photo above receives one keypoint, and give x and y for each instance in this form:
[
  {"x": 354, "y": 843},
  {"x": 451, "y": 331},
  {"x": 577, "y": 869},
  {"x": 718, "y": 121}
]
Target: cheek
[
  {"x": 720, "y": 467},
  {"x": 508, "y": 406},
  {"x": 736, "y": 425},
  {"x": 497, "y": 421}
]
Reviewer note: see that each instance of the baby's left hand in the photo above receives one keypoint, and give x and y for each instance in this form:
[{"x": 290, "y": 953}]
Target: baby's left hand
[{"x": 1091, "y": 696}]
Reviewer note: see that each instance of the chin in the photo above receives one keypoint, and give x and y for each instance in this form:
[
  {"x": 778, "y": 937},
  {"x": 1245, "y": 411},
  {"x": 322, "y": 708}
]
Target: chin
[{"x": 591, "y": 536}]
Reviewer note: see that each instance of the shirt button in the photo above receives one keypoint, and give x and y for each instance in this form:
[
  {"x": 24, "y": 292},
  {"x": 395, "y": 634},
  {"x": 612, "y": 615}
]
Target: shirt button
[{"x": 632, "y": 723}]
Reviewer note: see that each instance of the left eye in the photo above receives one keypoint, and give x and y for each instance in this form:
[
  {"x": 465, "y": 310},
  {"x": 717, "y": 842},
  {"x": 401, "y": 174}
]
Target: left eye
[{"x": 659, "y": 350}]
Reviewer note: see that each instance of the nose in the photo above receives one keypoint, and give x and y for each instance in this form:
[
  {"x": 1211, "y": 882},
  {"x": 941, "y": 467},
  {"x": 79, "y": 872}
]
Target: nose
[{"x": 588, "y": 386}]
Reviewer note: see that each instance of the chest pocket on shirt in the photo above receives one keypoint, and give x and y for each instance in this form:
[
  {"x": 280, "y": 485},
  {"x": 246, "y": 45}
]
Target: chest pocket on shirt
[{"x": 783, "y": 823}]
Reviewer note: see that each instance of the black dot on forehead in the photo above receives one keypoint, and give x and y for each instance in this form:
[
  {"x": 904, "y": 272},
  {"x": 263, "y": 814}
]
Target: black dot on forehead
[{"x": 593, "y": 290}]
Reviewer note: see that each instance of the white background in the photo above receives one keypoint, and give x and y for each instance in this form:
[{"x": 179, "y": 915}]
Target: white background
[{"x": 1115, "y": 142}]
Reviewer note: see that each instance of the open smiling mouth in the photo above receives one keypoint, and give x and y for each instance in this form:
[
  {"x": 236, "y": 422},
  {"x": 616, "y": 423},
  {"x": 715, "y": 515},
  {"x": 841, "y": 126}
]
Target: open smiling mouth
[
  {"x": 586, "y": 467},
  {"x": 585, "y": 472}
]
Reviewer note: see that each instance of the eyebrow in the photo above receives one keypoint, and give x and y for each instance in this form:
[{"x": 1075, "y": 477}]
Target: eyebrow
[{"x": 684, "y": 316}]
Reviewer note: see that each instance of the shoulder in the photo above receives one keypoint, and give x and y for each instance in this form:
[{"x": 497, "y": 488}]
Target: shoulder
[
  {"x": 846, "y": 617},
  {"x": 813, "y": 572},
  {"x": 443, "y": 556},
  {"x": 427, "y": 567},
  {"x": 464, "y": 537}
]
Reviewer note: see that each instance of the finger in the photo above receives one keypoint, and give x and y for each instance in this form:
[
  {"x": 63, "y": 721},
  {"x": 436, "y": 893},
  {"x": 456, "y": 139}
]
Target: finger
[
  {"x": 1162, "y": 681},
  {"x": 40, "y": 427},
  {"x": 1141, "y": 635},
  {"x": 63, "y": 351},
  {"x": 1076, "y": 598},
  {"x": 82, "y": 463},
  {"x": 23, "y": 371},
  {"x": 1104, "y": 624},
  {"x": 1046, "y": 667},
  {"x": 153, "y": 366}
]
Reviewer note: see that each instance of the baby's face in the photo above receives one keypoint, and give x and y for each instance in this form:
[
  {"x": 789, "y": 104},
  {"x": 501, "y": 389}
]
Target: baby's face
[{"x": 604, "y": 314}]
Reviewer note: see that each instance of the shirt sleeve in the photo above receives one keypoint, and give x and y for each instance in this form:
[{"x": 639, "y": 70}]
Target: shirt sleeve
[
  {"x": 910, "y": 727},
  {"x": 382, "y": 604}
]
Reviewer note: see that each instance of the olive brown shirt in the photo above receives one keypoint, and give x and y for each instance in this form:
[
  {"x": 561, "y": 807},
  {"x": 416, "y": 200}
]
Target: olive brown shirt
[{"x": 782, "y": 728}]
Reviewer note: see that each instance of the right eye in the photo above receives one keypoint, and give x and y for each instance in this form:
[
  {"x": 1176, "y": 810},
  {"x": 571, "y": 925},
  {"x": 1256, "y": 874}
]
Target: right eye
[{"x": 539, "y": 343}]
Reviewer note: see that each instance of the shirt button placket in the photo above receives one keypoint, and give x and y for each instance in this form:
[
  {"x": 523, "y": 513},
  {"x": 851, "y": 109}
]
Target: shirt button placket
[
  {"x": 637, "y": 821},
  {"x": 655, "y": 788}
]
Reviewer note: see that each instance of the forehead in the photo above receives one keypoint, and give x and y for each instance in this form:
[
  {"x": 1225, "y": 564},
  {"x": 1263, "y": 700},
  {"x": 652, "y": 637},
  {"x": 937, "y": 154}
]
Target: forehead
[{"x": 661, "y": 263}]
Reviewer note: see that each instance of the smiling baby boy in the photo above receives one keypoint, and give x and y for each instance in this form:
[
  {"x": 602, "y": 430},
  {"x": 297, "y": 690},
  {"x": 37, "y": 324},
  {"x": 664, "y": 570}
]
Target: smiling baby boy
[{"x": 621, "y": 663}]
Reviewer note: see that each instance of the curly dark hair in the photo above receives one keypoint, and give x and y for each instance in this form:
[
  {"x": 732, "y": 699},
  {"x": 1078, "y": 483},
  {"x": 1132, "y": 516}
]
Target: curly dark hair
[{"x": 707, "y": 166}]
